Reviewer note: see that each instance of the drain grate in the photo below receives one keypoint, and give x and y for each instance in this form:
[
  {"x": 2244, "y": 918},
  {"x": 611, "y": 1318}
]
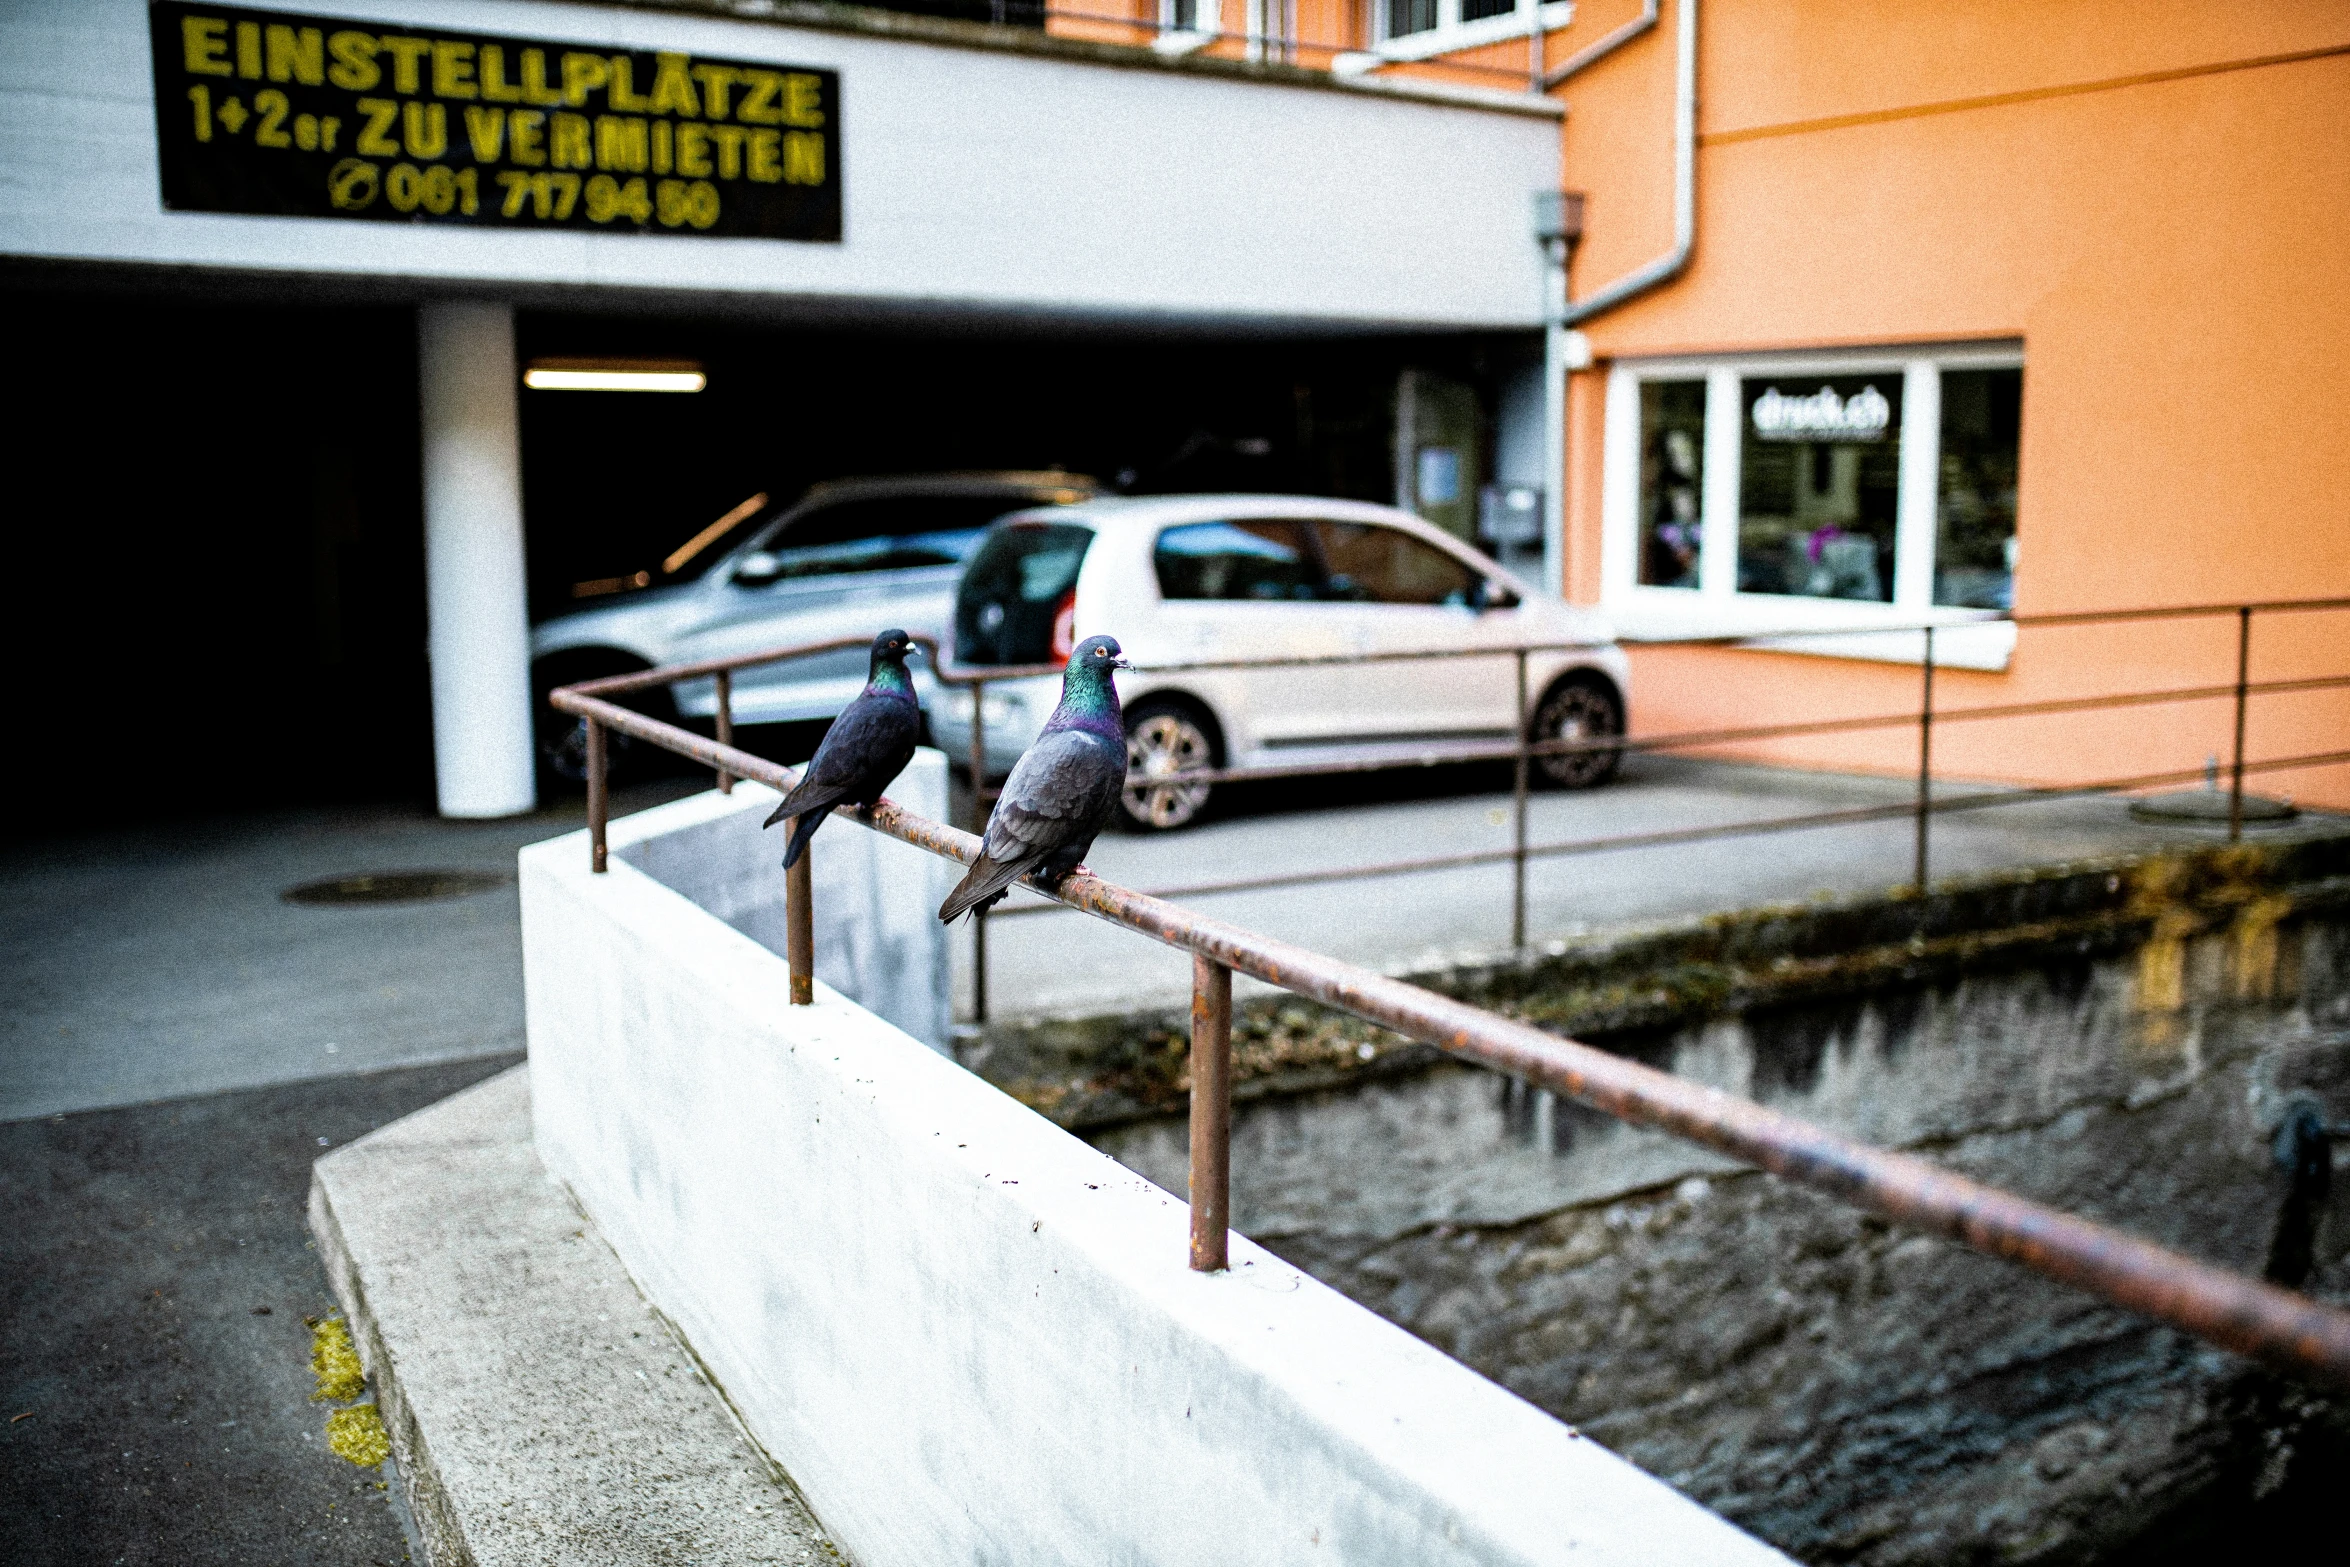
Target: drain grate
[{"x": 393, "y": 887}]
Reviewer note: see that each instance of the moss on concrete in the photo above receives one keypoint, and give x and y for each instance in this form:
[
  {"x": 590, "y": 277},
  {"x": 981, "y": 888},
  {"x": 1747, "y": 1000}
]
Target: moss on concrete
[
  {"x": 357, "y": 1434},
  {"x": 335, "y": 1362}
]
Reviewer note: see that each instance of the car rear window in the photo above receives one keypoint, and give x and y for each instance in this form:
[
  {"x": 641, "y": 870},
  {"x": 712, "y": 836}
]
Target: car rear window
[{"x": 1012, "y": 590}]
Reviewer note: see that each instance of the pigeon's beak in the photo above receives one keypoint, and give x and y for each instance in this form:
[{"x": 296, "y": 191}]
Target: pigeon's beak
[{"x": 1121, "y": 663}]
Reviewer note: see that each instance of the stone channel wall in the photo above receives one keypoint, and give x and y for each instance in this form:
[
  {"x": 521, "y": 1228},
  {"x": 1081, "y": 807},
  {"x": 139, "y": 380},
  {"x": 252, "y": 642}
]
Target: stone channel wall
[{"x": 2121, "y": 1038}]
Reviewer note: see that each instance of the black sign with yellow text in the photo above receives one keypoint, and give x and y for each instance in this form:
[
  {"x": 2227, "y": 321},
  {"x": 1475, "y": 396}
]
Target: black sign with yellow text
[{"x": 303, "y": 116}]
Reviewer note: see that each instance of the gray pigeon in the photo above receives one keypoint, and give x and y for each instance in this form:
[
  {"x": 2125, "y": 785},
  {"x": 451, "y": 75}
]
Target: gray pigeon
[
  {"x": 864, "y": 750},
  {"x": 1062, "y": 790}
]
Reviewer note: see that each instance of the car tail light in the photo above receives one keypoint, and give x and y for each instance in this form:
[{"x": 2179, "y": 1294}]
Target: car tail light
[{"x": 1065, "y": 626}]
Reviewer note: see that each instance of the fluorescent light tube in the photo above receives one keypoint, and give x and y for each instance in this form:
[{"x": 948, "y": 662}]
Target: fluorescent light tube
[{"x": 614, "y": 375}]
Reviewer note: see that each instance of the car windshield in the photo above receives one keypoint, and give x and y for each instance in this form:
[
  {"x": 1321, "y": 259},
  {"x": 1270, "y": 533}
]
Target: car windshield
[
  {"x": 1013, "y": 589},
  {"x": 875, "y": 533}
]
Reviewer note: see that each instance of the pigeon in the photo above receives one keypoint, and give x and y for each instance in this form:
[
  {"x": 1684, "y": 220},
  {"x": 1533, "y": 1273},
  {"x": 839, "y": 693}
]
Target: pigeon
[
  {"x": 864, "y": 750},
  {"x": 1062, "y": 790}
]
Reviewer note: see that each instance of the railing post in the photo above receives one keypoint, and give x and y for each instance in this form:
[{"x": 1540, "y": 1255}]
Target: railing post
[
  {"x": 725, "y": 724},
  {"x": 1925, "y": 764},
  {"x": 599, "y": 803},
  {"x": 2243, "y": 689},
  {"x": 1211, "y": 1113},
  {"x": 1518, "y": 855},
  {"x": 979, "y": 825},
  {"x": 799, "y": 937}
]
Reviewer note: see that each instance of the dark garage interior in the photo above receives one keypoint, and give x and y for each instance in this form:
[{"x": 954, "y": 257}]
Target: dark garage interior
[{"x": 223, "y": 500}]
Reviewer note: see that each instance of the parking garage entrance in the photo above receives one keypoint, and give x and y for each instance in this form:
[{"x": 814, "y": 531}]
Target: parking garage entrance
[{"x": 226, "y": 496}]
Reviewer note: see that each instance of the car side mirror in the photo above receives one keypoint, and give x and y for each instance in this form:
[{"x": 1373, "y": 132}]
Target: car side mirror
[
  {"x": 1490, "y": 594},
  {"x": 758, "y": 569}
]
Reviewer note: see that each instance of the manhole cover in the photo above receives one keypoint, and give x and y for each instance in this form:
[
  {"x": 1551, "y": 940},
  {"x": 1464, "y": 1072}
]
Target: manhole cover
[
  {"x": 393, "y": 887},
  {"x": 2208, "y": 805}
]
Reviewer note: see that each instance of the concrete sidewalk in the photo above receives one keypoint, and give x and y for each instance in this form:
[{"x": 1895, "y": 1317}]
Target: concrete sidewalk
[{"x": 541, "y": 1411}]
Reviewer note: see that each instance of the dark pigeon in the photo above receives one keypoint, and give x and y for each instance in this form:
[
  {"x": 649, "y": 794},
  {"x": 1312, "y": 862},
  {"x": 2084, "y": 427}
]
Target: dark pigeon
[
  {"x": 864, "y": 750},
  {"x": 1062, "y": 790}
]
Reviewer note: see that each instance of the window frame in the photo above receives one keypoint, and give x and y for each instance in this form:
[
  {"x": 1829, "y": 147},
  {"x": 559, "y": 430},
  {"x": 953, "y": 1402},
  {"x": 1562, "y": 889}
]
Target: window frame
[
  {"x": 1451, "y": 33},
  {"x": 1835, "y": 627}
]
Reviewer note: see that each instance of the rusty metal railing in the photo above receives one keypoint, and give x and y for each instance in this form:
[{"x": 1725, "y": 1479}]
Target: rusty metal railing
[
  {"x": 1921, "y": 809},
  {"x": 2278, "y": 1327},
  {"x": 1522, "y": 752}
]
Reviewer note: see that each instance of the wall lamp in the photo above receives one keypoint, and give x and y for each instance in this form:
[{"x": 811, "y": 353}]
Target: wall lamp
[{"x": 614, "y": 375}]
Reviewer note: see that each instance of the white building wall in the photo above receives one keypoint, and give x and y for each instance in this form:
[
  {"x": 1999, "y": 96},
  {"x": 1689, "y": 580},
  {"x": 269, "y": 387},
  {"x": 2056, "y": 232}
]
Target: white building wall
[{"x": 975, "y": 180}]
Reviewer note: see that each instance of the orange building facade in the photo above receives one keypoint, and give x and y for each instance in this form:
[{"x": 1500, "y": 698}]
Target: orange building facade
[
  {"x": 2107, "y": 239},
  {"x": 1990, "y": 307}
]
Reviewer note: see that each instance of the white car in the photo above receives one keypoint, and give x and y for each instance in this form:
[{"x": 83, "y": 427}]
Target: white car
[{"x": 1198, "y": 578}]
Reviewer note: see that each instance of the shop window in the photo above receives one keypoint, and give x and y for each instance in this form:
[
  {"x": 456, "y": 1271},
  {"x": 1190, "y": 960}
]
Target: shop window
[
  {"x": 1819, "y": 482},
  {"x": 1974, "y": 528},
  {"x": 1672, "y": 475},
  {"x": 1836, "y": 491},
  {"x": 1405, "y": 17}
]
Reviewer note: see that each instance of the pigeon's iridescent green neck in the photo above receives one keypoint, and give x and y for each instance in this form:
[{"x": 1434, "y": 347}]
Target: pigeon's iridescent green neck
[
  {"x": 1089, "y": 700},
  {"x": 890, "y": 675}
]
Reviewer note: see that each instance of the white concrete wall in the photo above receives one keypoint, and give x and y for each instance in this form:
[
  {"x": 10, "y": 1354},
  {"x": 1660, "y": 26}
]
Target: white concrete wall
[
  {"x": 974, "y": 180},
  {"x": 971, "y": 1338},
  {"x": 878, "y": 941}
]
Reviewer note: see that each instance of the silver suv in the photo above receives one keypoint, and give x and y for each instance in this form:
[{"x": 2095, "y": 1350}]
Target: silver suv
[{"x": 849, "y": 556}]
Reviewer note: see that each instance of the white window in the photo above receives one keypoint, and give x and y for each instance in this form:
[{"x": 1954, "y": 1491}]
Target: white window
[
  {"x": 1819, "y": 494},
  {"x": 1189, "y": 16},
  {"x": 1418, "y": 29}
]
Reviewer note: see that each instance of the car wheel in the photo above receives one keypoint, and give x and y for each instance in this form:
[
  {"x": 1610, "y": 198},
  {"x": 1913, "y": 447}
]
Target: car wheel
[
  {"x": 1580, "y": 707},
  {"x": 1162, "y": 739}
]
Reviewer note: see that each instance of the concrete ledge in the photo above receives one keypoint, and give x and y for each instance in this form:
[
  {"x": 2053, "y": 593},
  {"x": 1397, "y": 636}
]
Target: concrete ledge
[
  {"x": 540, "y": 1411},
  {"x": 970, "y": 1337}
]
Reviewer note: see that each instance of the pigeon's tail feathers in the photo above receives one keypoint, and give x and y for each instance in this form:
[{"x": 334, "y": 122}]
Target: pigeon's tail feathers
[
  {"x": 981, "y": 886},
  {"x": 810, "y": 797},
  {"x": 802, "y": 830}
]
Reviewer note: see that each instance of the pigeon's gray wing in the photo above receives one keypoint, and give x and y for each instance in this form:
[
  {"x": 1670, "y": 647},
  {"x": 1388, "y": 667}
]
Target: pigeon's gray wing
[
  {"x": 866, "y": 747},
  {"x": 1056, "y": 794},
  {"x": 1057, "y": 800}
]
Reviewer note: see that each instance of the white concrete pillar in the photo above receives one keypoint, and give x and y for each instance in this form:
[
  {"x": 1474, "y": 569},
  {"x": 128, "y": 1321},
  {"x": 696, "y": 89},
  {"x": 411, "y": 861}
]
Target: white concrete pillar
[{"x": 475, "y": 599}]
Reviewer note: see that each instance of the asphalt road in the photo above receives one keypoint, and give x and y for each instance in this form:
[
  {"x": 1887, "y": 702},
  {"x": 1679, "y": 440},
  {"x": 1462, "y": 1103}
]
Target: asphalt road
[
  {"x": 154, "y": 1363},
  {"x": 160, "y": 960}
]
